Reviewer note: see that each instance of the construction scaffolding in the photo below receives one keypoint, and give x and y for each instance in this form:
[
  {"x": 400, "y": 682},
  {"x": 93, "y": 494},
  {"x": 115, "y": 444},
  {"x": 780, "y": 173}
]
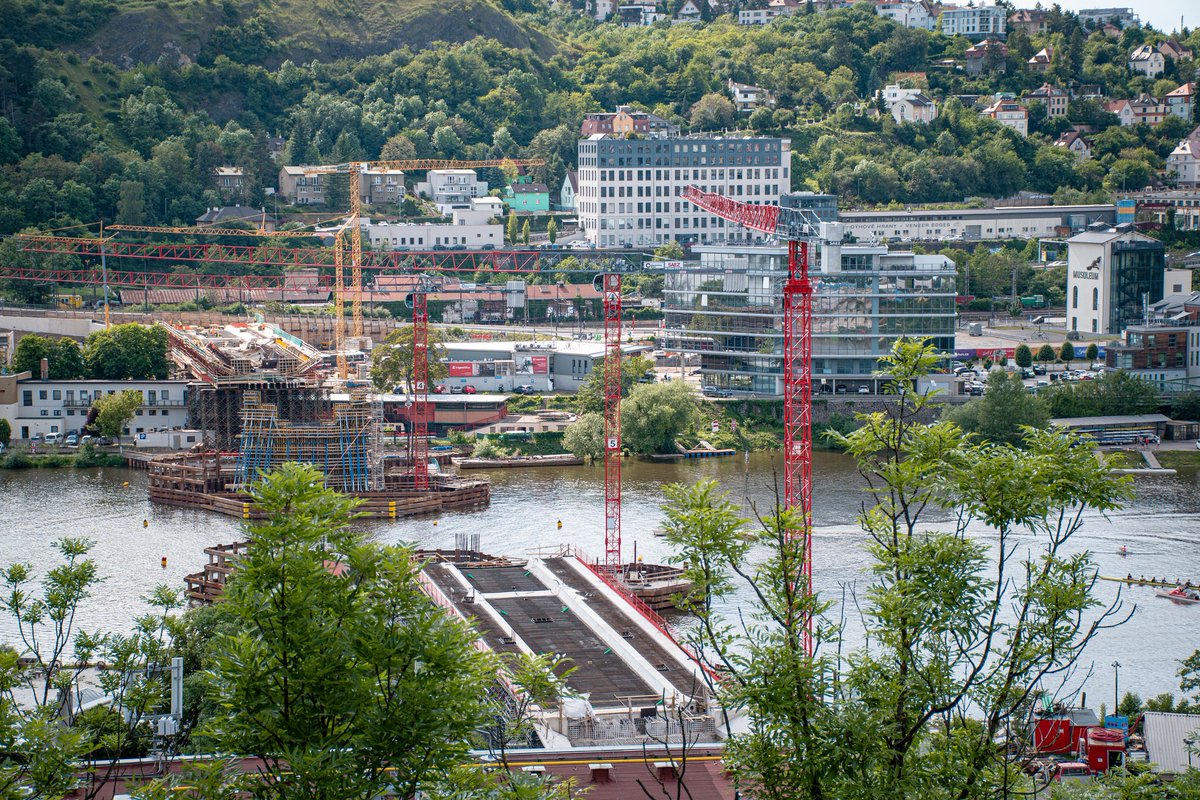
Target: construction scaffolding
[
  {"x": 217, "y": 410},
  {"x": 347, "y": 449}
]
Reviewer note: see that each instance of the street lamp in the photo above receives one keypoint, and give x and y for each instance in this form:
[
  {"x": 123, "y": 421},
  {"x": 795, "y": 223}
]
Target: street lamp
[
  {"x": 557, "y": 305},
  {"x": 1116, "y": 665}
]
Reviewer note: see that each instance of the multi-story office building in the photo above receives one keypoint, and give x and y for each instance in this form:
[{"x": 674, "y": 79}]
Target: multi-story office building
[
  {"x": 975, "y": 224},
  {"x": 727, "y": 308},
  {"x": 630, "y": 189},
  {"x": 1113, "y": 276}
]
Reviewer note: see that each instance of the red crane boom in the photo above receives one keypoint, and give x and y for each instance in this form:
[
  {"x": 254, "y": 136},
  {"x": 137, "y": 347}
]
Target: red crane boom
[{"x": 796, "y": 228}]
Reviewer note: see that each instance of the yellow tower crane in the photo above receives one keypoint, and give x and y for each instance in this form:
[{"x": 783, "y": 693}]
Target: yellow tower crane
[{"x": 348, "y": 241}]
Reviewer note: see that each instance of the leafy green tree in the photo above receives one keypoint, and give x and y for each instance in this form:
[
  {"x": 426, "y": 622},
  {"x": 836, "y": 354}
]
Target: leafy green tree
[
  {"x": 392, "y": 360},
  {"x": 552, "y": 230},
  {"x": 669, "y": 251},
  {"x": 341, "y": 675},
  {"x": 1115, "y": 393},
  {"x": 1066, "y": 353},
  {"x": 46, "y": 740},
  {"x": 712, "y": 111},
  {"x": 655, "y": 414},
  {"x": 5, "y": 432},
  {"x": 585, "y": 436},
  {"x": 525, "y": 233},
  {"x": 1186, "y": 406},
  {"x": 113, "y": 411},
  {"x": 1023, "y": 356},
  {"x": 513, "y": 230},
  {"x": 915, "y": 710},
  {"x": 127, "y": 352},
  {"x": 590, "y": 395},
  {"x": 1004, "y": 412},
  {"x": 1046, "y": 354},
  {"x": 1092, "y": 353}
]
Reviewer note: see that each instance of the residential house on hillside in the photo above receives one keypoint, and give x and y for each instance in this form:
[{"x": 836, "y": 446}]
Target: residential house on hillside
[
  {"x": 690, "y": 11},
  {"x": 1175, "y": 51},
  {"x": 1142, "y": 110},
  {"x": 1111, "y": 31},
  {"x": 747, "y": 98},
  {"x": 908, "y": 105},
  {"x": 990, "y": 55},
  {"x": 1181, "y": 101},
  {"x": 1184, "y": 161},
  {"x": 1122, "y": 17},
  {"x": 1030, "y": 20},
  {"x": 230, "y": 181},
  {"x": 1076, "y": 143},
  {"x": 772, "y": 10},
  {"x": 569, "y": 194},
  {"x": 381, "y": 186},
  {"x": 224, "y": 216},
  {"x": 1088, "y": 91},
  {"x": 626, "y": 120},
  {"x": 914, "y": 108},
  {"x": 451, "y": 189},
  {"x": 601, "y": 9},
  {"x": 638, "y": 13},
  {"x": 275, "y": 145},
  {"x": 922, "y": 14},
  {"x": 1053, "y": 98},
  {"x": 974, "y": 21},
  {"x": 526, "y": 197},
  {"x": 1010, "y": 114},
  {"x": 299, "y": 187},
  {"x": 1147, "y": 61},
  {"x": 1041, "y": 61}
]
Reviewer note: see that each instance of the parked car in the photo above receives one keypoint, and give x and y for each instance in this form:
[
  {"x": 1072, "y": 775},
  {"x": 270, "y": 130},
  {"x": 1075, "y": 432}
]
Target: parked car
[
  {"x": 715, "y": 391},
  {"x": 524, "y": 388},
  {"x": 1039, "y": 369},
  {"x": 864, "y": 390},
  {"x": 54, "y": 438},
  {"x": 469, "y": 390},
  {"x": 456, "y": 390},
  {"x": 72, "y": 440}
]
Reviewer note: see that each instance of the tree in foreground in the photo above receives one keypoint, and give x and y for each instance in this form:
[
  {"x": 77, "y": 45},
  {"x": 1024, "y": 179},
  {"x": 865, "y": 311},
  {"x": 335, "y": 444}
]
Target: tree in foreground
[
  {"x": 343, "y": 677},
  {"x": 47, "y": 743},
  {"x": 977, "y": 601}
]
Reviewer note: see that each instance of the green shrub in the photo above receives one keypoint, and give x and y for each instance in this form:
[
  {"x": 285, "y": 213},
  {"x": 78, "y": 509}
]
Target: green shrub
[{"x": 17, "y": 461}]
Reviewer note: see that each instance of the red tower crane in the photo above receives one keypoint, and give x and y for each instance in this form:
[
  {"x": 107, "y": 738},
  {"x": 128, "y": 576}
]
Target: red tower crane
[{"x": 797, "y": 227}]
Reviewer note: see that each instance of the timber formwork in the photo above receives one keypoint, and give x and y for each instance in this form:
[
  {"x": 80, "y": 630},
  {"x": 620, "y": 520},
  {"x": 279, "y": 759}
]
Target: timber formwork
[{"x": 208, "y": 481}]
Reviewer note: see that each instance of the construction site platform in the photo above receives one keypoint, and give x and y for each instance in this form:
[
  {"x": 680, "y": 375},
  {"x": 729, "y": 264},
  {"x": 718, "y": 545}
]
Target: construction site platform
[{"x": 622, "y": 660}]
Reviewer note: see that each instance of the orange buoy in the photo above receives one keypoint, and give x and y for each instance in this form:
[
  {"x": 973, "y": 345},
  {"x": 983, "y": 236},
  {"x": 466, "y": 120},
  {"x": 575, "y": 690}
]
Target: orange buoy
[
  {"x": 145, "y": 523},
  {"x": 164, "y": 562},
  {"x": 560, "y": 524}
]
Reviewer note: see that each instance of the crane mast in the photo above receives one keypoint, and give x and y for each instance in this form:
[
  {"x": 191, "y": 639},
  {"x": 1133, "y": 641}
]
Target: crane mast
[{"x": 797, "y": 228}]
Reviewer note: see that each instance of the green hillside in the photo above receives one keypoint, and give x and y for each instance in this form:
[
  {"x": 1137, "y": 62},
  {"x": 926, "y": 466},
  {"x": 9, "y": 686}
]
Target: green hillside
[{"x": 265, "y": 32}]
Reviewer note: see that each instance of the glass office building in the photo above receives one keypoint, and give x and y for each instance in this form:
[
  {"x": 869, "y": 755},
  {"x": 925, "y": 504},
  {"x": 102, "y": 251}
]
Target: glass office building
[{"x": 727, "y": 308}]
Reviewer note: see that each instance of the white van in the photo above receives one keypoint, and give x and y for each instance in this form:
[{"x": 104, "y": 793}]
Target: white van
[{"x": 54, "y": 438}]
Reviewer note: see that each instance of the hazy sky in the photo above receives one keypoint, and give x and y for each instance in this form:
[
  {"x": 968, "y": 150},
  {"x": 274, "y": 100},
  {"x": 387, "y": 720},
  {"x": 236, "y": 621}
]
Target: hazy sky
[{"x": 1162, "y": 14}]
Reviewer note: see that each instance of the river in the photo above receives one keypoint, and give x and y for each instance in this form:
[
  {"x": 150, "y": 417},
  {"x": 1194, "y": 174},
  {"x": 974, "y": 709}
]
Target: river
[{"x": 1161, "y": 528}]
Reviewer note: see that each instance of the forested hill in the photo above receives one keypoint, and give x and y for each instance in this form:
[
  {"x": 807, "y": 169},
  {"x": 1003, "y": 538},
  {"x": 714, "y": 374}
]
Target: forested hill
[
  {"x": 262, "y": 32},
  {"x": 137, "y": 139}
]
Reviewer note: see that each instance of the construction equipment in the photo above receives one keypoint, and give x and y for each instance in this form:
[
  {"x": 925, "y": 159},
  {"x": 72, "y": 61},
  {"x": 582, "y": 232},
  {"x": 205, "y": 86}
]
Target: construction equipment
[
  {"x": 347, "y": 249},
  {"x": 798, "y": 227}
]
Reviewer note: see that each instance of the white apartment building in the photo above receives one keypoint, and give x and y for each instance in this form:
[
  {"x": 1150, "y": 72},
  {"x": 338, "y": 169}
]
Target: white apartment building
[
  {"x": 974, "y": 22},
  {"x": 1147, "y": 60},
  {"x": 1010, "y": 114},
  {"x": 36, "y": 407},
  {"x": 1184, "y": 161},
  {"x": 452, "y": 188},
  {"x": 630, "y": 189},
  {"x": 974, "y": 224},
  {"x": 909, "y": 14},
  {"x": 464, "y": 232}
]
